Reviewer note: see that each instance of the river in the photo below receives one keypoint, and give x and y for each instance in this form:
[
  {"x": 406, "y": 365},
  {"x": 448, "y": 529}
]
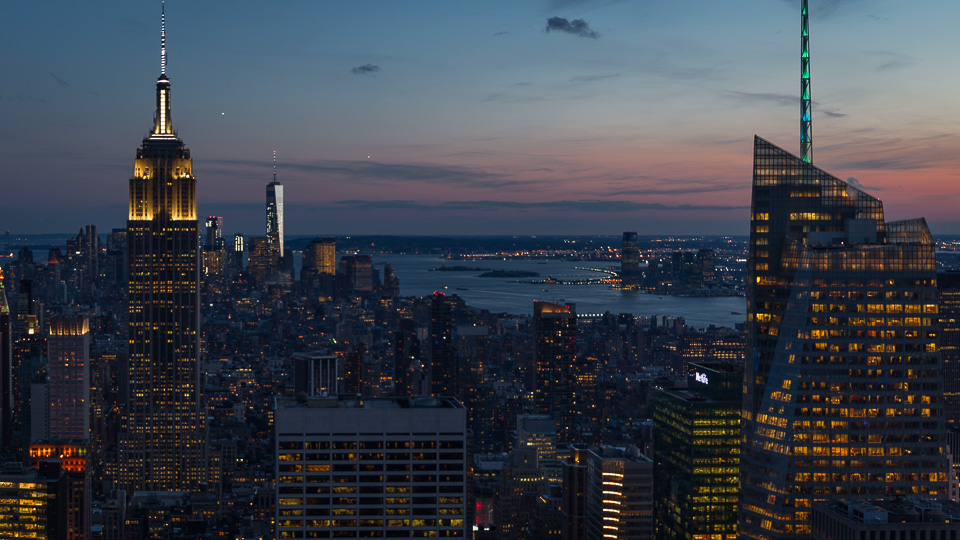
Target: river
[{"x": 516, "y": 295}]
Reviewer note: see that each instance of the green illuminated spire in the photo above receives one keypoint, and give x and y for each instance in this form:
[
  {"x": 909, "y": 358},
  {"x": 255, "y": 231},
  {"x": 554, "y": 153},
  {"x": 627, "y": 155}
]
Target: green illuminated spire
[{"x": 806, "y": 129}]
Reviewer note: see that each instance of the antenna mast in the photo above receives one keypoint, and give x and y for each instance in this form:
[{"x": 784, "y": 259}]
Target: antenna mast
[
  {"x": 806, "y": 129},
  {"x": 274, "y": 166},
  {"x": 163, "y": 41}
]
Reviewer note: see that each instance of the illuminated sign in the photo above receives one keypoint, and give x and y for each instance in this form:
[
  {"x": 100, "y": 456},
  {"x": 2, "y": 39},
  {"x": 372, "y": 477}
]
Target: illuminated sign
[{"x": 700, "y": 377}]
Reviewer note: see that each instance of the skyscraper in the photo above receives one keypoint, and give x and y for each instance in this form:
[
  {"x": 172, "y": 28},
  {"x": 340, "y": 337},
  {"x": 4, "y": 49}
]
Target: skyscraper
[
  {"x": 629, "y": 261},
  {"x": 68, "y": 349},
  {"x": 697, "y": 443},
  {"x": 275, "y": 212},
  {"x": 842, "y": 387},
  {"x": 444, "y": 368},
  {"x": 555, "y": 342},
  {"x": 328, "y": 255},
  {"x": 161, "y": 444},
  {"x": 948, "y": 284},
  {"x": 6, "y": 370}
]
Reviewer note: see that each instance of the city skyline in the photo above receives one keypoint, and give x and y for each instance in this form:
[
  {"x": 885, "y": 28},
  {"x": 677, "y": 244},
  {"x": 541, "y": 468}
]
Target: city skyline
[{"x": 637, "y": 117}]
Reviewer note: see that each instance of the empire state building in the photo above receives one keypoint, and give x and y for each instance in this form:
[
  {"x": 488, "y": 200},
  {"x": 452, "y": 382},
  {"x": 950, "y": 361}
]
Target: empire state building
[{"x": 161, "y": 444}]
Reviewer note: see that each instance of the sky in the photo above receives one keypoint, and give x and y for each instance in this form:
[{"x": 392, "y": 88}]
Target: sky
[{"x": 475, "y": 118}]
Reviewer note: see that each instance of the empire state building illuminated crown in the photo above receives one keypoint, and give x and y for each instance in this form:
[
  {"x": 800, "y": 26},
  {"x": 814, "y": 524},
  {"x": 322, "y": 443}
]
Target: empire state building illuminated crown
[{"x": 161, "y": 444}]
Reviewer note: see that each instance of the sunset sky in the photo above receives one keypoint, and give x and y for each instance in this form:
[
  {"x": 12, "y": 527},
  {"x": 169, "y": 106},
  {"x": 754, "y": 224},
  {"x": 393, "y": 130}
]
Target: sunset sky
[{"x": 481, "y": 117}]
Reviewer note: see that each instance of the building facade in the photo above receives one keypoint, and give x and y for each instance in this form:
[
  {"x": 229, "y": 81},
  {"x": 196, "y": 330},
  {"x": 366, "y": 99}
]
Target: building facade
[
  {"x": 697, "y": 454},
  {"x": 161, "y": 444},
  {"x": 68, "y": 370},
  {"x": 370, "y": 468},
  {"x": 275, "y": 214},
  {"x": 619, "y": 494},
  {"x": 842, "y": 387},
  {"x": 555, "y": 342},
  {"x": 629, "y": 261}
]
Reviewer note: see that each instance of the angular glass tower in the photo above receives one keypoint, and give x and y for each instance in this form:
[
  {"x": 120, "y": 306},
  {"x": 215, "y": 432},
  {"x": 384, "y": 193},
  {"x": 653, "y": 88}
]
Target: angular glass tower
[
  {"x": 275, "y": 216},
  {"x": 842, "y": 384},
  {"x": 161, "y": 443}
]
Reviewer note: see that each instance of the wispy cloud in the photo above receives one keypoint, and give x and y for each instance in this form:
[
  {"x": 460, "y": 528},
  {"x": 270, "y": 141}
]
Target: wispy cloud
[
  {"x": 503, "y": 97},
  {"x": 59, "y": 80},
  {"x": 891, "y": 60},
  {"x": 502, "y": 33},
  {"x": 576, "y": 27},
  {"x": 683, "y": 188},
  {"x": 554, "y": 5},
  {"x": 368, "y": 171},
  {"x": 593, "y": 78},
  {"x": 895, "y": 153},
  {"x": 769, "y": 97},
  {"x": 366, "y": 69},
  {"x": 586, "y": 205}
]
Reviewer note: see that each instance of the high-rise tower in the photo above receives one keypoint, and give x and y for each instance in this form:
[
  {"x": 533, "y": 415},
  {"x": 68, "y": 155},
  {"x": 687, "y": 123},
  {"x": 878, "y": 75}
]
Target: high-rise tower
[
  {"x": 843, "y": 393},
  {"x": 68, "y": 349},
  {"x": 629, "y": 261},
  {"x": 161, "y": 444},
  {"x": 275, "y": 212},
  {"x": 555, "y": 350}
]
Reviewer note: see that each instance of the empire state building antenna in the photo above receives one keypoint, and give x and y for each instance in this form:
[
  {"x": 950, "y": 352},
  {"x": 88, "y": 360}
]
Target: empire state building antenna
[{"x": 163, "y": 41}]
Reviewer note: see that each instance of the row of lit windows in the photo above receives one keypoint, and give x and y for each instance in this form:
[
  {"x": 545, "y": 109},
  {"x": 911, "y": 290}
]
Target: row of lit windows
[{"x": 366, "y": 445}]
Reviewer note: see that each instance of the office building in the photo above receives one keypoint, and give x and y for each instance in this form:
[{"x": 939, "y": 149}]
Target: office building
[
  {"x": 328, "y": 255},
  {"x": 6, "y": 370},
  {"x": 275, "y": 212},
  {"x": 161, "y": 446},
  {"x": 407, "y": 361},
  {"x": 843, "y": 389},
  {"x": 238, "y": 248},
  {"x": 370, "y": 468},
  {"x": 520, "y": 484},
  {"x": 539, "y": 431},
  {"x": 263, "y": 261},
  {"x": 903, "y": 518},
  {"x": 356, "y": 274},
  {"x": 948, "y": 286},
  {"x": 697, "y": 454},
  {"x": 555, "y": 342},
  {"x": 214, "y": 248},
  {"x": 29, "y": 509},
  {"x": 573, "y": 469},
  {"x": 619, "y": 494},
  {"x": 629, "y": 261},
  {"x": 444, "y": 368},
  {"x": 319, "y": 257},
  {"x": 315, "y": 373},
  {"x": 68, "y": 371}
]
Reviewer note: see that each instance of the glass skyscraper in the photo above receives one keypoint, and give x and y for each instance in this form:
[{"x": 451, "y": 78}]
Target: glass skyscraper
[
  {"x": 843, "y": 395},
  {"x": 697, "y": 454}
]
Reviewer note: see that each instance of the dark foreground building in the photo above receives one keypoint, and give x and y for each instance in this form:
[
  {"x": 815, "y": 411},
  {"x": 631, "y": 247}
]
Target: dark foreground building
[{"x": 842, "y": 386}]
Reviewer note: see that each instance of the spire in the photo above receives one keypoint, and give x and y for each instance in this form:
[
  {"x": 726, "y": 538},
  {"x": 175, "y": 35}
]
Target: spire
[
  {"x": 163, "y": 41},
  {"x": 274, "y": 166},
  {"x": 162, "y": 122},
  {"x": 806, "y": 129}
]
